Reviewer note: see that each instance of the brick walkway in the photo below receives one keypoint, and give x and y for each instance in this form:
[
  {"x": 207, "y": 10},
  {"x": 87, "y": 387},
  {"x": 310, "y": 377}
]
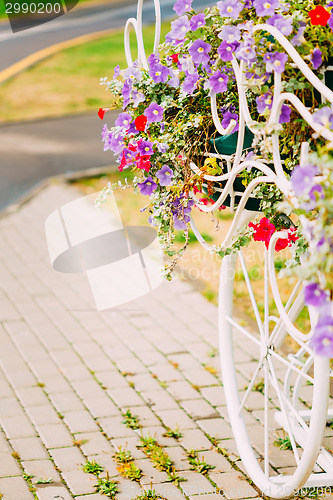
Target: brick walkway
[{"x": 68, "y": 373}]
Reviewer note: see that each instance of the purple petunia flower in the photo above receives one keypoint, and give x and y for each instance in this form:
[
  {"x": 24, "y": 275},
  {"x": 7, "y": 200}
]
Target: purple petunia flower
[
  {"x": 123, "y": 121},
  {"x": 324, "y": 117},
  {"x": 190, "y": 83},
  {"x": 302, "y": 178},
  {"x": 226, "y": 50},
  {"x": 105, "y": 132},
  {"x": 264, "y": 102},
  {"x": 133, "y": 72},
  {"x": 114, "y": 142},
  {"x": 147, "y": 186},
  {"x": 165, "y": 175},
  {"x": 314, "y": 295},
  {"x": 179, "y": 28},
  {"x": 116, "y": 72},
  {"x": 230, "y": 34},
  {"x": 285, "y": 114},
  {"x": 298, "y": 39},
  {"x": 275, "y": 61},
  {"x": 126, "y": 93},
  {"x": 316, "y": 58},
  {"x": 218, "y": 82},
  {"x": 245, "y": 52},
  {"x": 266, "y": 7},
  {"x": 145, "y": 148},
  {"x": 154, "y": 112},
  {"x": 322, "y": 340},
  {"x": 174, "y": 79},
  {"x": 182, "y": 6},
  {"x": 137, "y": 97},
  {"x": 181, "y": 212},
  {"x": 197, "y": 21},
  {"x": 230, "y": 8},
  {"x": 199, "y": 51},
  {"x": 186, "y": 64},
  {"x": 227, "y": 117},
  {"x": 159, "y": 73},
  {"x": 283, "y": 24}
]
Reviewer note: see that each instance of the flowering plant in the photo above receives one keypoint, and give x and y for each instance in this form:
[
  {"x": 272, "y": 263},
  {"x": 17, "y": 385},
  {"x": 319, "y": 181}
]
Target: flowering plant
[{"x": 167, "y": 129}]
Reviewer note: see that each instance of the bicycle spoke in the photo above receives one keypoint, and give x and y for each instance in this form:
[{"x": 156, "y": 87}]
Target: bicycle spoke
[
  {"x": 250, "y": 387},
  {"x": 252, "y": 297}
]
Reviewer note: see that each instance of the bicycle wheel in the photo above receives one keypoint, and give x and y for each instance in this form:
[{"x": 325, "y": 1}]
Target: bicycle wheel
[{"x": 282, "y": 385}]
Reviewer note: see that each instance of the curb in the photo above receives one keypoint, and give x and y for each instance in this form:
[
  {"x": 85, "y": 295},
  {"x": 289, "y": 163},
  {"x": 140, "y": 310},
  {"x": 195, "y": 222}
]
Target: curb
[{"x": 36, "y": 57}]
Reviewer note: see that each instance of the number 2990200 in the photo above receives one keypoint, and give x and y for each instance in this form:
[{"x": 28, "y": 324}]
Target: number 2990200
[{"x": 33, "y": 8}]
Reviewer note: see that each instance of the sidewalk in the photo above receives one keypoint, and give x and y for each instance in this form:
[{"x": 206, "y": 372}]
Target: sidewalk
[{"x": 68, "y": 373}]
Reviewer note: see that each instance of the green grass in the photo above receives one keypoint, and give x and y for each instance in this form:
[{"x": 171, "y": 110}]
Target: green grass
[{"x": 68, "y": 82}]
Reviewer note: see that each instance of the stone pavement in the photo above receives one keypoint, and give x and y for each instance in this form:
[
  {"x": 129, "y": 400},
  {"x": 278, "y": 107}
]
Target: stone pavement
[{"x": 68, "y": 373}]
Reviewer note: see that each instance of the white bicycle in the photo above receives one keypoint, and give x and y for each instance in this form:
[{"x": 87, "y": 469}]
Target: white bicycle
[{"x": 286, "y": 394}]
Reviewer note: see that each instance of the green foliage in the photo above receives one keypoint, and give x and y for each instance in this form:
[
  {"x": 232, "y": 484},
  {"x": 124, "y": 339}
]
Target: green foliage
[
  {"x": 92, "y": 467},
  {"x": 283, "y": 443},
  {"x": 126, "y": 466},
  {"x": 106, "y": 486},
  {"x": 149, "y": 495},
  {"x": 45, "y": 481},
  {"x": 173, "y": 433},
  {"x": 197, "y": 464},
  {"x": 131, "y": 421}
]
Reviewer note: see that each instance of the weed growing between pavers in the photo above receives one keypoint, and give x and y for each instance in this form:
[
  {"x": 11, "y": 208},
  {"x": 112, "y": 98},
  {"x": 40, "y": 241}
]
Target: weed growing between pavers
[
  {"x": 283, "y": 443},
  {"x": 210, "y": 369},
  {"x": 126, "y": 466},
  {"x": 149, "y": 495},
  {"x": 104, "y": 485},
  {"x": 160, "y": 458},
  {"x": 45, "y": 480},
  {"x": 198, "y": 465},
  {"x": 131, "y": 421},
  {"x": 173, "y": 433}
]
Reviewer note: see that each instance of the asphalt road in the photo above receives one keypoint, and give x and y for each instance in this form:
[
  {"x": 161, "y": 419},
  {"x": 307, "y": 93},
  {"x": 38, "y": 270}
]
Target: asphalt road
[{"x": 31, "y": 152}]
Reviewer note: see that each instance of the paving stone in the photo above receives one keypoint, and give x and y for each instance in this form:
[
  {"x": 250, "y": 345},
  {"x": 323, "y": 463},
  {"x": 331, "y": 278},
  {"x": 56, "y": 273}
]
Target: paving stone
[
  {"x": 17, "y": 427},
  {"x": 196, "y": 484},
  {"x": 214, "y": 395},
  {"x": 130, "y": 365},
  {"x": 102, "y": 407},
  {"x": 200, "y": 377},
  {"x": 150, "y": 473},
  {"x": 10, "y": 407},
  {"x": 80, "y": 421},
  {"x": 51, "y": 492},
  {"x": 198, "y": 409},
  {"x": 8, "y": 465},
  {"x": 55, "y": 383},
  {"x": 128, "y": 489},
  {"x": 41, "y": 469},
  {"x": 29, "y": 448},
  {"x": 55, "y": 435},
  {"x": 182, "y": 390},
  {"x": 66, "y": 401},
  {"x": 194, "y": 439},
  {"x": 76, "y": 372},
  {"x": 125, "y": 397},
  {"x": 15, "y": 488},
  {"x": 94, "y": 496},
  {"x": 169, "y": 491},
  {"x": 45, "y": 414},
  {"x": 146, "y": 417},
  {"x": 94, "y": 443},
  {"x": 234, "y": 485},
  {"x": 79, "y": 482},
  {"x": 216, "y": 427},
  {"x": 21, "y": 378},
  {"x": 214, "y": 458},
  {"x": 176, "y": 418},
  {"x": 179, "y": 457},
  {"x": 167, "y": 373},
  {"x": 110, "y": 379},
  {"x": 114, "y": 427},
  {"x": 88, "y": 389},
  {"x": 145, "y": 382},
  {"x": 67, "y": 459},
  {"x": 159, "y": 400}
]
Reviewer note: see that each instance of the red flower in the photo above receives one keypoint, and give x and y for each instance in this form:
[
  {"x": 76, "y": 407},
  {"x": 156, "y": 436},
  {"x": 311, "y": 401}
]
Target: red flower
[
  {"x": 143, "y": 162},
  {"x": 174, "y": 57},
  {"x": 319, "y": 16},
  {"x": 281, "y": 244},
  {"x": 263, "y": 231},
  {"x": 101, "y": 112},
  {"x": 140, "y": 123}
]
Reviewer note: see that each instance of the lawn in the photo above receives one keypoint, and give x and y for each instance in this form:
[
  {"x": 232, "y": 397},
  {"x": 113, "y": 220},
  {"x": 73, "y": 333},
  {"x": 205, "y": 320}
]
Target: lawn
[{"x": 68, "y": 82}]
